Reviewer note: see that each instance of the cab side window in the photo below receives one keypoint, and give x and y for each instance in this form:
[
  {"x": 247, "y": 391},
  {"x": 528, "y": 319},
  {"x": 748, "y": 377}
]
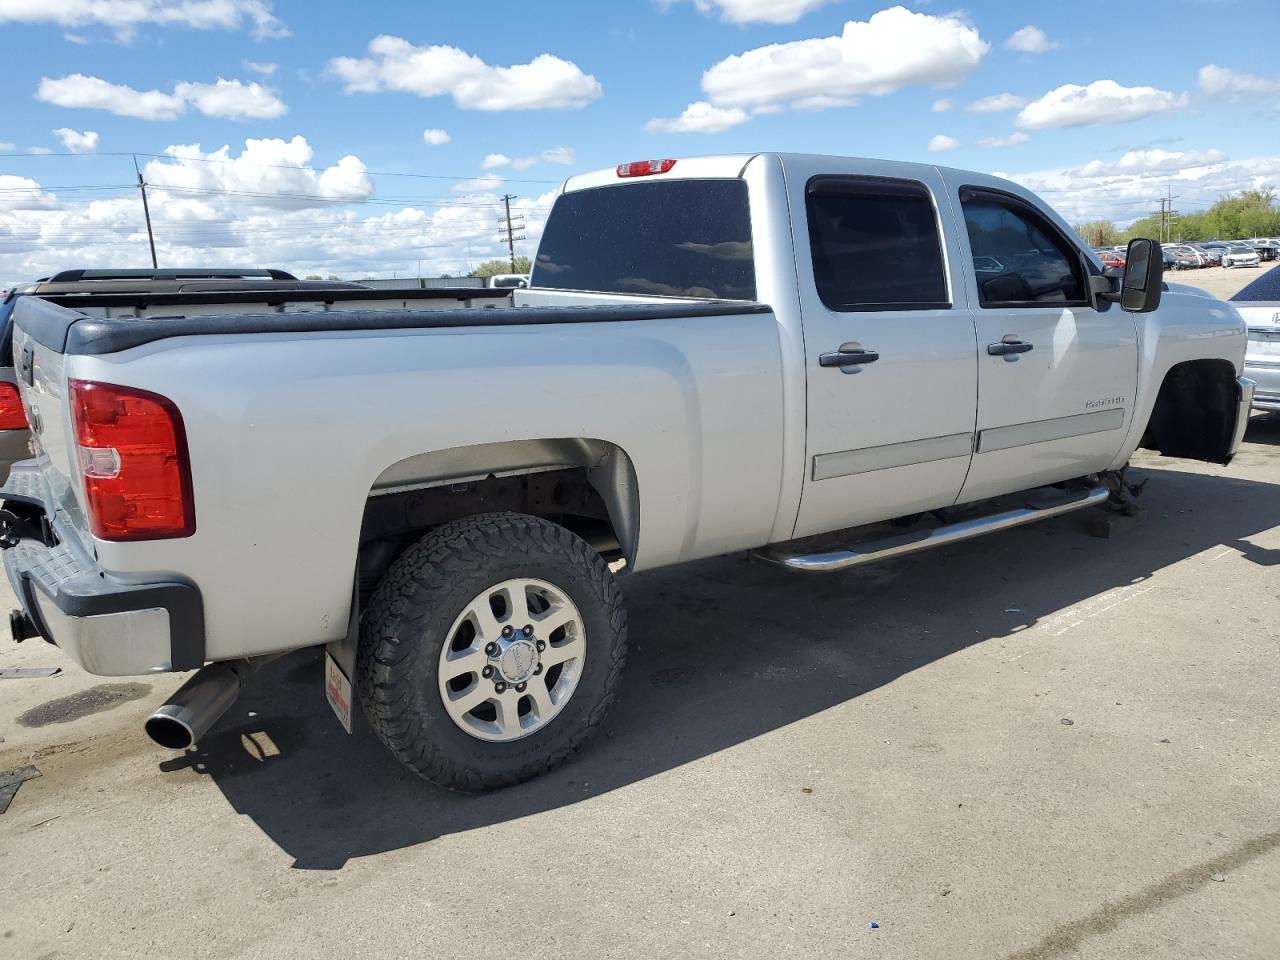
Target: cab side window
[
  {"x": 1019, "y": 258},
  {"x": 875, "y": 244}
]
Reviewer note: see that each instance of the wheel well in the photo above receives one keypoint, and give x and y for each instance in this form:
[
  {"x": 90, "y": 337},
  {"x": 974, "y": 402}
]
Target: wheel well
[
  {"x": 595, "y": 497},
  {"x": 1194, "y": 413}
]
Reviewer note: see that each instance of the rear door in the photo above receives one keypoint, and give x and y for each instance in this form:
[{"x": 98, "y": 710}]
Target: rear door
[
  {"x": 1056, "y": 377},
  {"x": 890, "y": 357}
]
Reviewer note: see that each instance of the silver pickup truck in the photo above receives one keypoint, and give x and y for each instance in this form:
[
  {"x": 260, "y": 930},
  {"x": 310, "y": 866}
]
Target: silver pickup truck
[{"x": 768, "y": 352}]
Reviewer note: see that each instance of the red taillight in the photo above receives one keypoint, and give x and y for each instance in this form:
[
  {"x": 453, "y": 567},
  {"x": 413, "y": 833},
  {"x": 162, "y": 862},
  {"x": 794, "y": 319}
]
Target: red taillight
[
  {"x": 132, "y": 452},
  {"x": 13, "y": 416},
  {"x": 644, "y": 168}
]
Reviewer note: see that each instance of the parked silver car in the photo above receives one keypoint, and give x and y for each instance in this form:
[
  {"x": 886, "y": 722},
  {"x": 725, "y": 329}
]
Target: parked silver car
[{"x": 1259, "y": 304}]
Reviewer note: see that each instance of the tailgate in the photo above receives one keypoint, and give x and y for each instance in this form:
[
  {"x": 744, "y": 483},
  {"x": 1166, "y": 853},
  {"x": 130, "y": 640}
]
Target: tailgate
[{"x": 39, "y": 337}]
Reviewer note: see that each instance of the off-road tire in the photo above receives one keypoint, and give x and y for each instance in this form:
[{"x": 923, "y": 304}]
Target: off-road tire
[{"x": 406, "y": 622}]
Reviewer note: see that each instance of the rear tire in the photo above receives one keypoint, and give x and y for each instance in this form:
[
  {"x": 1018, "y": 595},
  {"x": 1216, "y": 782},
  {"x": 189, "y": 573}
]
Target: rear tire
[{"x": 428, "y": 614}]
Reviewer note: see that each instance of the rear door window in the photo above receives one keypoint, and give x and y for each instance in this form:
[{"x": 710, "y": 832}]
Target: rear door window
[
  {"x": 675, "y": 238},
  {"x": 875, "y": 244}
]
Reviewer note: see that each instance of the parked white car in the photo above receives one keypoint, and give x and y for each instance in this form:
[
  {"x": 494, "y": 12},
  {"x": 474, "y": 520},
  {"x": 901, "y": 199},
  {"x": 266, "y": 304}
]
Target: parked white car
[
  {"x": 715, "y": 354},
  {"x": 1239, "y": 255}
]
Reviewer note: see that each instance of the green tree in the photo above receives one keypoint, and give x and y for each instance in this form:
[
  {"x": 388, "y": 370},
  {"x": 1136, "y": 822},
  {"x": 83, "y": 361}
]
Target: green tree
[
  {"x": 1098, "y": 233},
  {"x": 492, "y": 267}
]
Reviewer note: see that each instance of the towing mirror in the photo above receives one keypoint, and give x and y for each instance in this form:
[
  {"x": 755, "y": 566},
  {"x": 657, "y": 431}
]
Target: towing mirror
[{"x": 1143, "y": 277}]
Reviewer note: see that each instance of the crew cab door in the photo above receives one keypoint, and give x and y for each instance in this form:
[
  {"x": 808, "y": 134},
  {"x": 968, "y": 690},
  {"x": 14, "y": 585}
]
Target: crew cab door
[
  {"x": 1056, "y": 375},
  {"x": 890, "y": 357}
]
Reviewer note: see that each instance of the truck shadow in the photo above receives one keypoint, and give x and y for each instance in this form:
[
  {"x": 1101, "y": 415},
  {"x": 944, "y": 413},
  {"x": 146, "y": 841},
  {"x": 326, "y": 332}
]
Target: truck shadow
[
  {"x": 723, "y": 651},
  {"x": 1264, "y": 428}
]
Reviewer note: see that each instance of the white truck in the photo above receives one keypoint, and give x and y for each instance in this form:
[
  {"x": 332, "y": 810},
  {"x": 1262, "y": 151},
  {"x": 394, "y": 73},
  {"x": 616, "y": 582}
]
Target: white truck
[{"x": 768, "y": 352}]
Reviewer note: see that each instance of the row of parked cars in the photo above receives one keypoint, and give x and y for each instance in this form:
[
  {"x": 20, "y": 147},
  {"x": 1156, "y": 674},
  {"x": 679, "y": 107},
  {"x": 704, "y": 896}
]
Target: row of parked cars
[{"x": 1210, "y": 253}]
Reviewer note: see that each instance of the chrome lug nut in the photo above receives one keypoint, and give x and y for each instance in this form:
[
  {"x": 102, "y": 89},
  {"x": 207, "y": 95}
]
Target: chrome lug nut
[
  {"x": 507, "y": 631},
  {"x": 487, "y": 672},
  {"x": 491, "y": 649},
  {"x": 520, "y": 687},
  {"x": 542, "y": 645},
  {"x": 537, "y": 670},
  {"x": 528, "y": 630},
  {"x": 500, "y": 687}
]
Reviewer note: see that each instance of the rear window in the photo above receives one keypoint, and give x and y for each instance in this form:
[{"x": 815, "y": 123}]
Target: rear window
[{"x": 675, "y": 238}]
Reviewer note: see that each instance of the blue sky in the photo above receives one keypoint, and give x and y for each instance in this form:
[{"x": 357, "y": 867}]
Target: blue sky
[{"x": 544, "y": 90}]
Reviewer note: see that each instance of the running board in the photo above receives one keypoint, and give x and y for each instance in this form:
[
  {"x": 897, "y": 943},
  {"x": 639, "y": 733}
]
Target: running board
[{"x": 872, "y": 550}]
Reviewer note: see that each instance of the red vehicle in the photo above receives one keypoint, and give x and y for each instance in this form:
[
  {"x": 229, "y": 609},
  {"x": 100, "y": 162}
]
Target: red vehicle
[{"x": 1112, "y": 259}]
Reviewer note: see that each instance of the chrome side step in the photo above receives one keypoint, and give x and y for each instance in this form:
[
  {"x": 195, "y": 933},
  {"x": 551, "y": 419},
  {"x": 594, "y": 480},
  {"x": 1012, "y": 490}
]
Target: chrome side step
[{"x": 872, "y": 550}]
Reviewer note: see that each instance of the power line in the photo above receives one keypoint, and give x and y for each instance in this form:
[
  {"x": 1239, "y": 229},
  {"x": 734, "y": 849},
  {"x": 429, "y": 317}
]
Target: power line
[{"x": 281, "y": 166}]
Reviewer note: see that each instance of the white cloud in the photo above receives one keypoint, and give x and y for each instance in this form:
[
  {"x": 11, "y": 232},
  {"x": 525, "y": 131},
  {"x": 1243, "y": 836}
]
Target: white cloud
[
  {"x": 893, "y": 49},
  {"x": 562, "y": 156},
  {"x": 1103, "y": 101},
  {"x": 1222, "y": 81},
  {"x": 274, "y": 172},
  {"x": 6, "y": 147},
  {"x": 263, "y": 69},
  {"x": 945, "y": 105},
  {"x": 1012, "y": 140},
  {"x": 941, "y": 142},
  {"x": 1125, "y": 189},
  {"x": 488, "y": 183},
  {"x": 997, "y": 103},
  {"x": 699, "y": 117},
  {"x": 1137, "y": 162},
  {"x": 225, "y": 98},
  {"x": 442, "y": 235},
  {"x": 75, "y": 142},
  {"x": 757, "y": 11},
  {"x": 92, "y": 93},
  {"x": 436, "y": 137},
  {"x": 396, "y": 64},
  {"x": 21, "y": 193},
  {"x": 1030, "y": 40},
  {"x": 232, "y": 99},
  {"x": 126, "y": 16}
]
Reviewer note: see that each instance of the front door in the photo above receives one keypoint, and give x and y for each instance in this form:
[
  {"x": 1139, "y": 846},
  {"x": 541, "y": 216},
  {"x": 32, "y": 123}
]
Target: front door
[
  {"x": 890, "y": 356},
  {"x": 1056, "y": 376}
]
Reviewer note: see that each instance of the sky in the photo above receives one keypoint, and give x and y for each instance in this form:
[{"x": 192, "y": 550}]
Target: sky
[{"x": 379, "y": 139}]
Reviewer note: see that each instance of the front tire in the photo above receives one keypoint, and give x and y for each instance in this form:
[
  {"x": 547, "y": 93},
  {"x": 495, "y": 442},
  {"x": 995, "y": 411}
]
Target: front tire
[{"x": 491, "y": 651}]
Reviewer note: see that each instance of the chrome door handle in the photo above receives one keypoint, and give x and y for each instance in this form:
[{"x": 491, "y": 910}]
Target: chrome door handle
[
  {"x": 847, "y": 358},
  {"x": 1006, "y": 347}
]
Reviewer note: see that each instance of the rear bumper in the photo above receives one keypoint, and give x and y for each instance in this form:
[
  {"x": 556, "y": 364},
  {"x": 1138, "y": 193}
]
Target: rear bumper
[
  {"x": 107, "y": 626},
  {"x": 1266, "y": 374}
]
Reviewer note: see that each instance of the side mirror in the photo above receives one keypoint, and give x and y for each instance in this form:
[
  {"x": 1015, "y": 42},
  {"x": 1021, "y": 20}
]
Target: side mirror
[{"x": 1143, "y": 277}]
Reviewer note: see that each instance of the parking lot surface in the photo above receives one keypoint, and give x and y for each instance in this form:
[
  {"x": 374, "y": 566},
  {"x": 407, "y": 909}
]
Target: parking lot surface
[{"x": 1038, "y": 744}]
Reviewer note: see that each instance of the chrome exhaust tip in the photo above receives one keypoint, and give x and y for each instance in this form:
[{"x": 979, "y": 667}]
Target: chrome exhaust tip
[{"x": 186, "y": 716}]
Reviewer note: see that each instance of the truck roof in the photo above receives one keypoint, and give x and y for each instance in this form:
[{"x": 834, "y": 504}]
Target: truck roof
[{"x": 732, "y": 165}]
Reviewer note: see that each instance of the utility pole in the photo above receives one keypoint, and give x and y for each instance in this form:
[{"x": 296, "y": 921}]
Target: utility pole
[
  {"x": 1168, "y": 216},
  {"x": 508, "y": 228},
  {"x": 146, "y": 212}
]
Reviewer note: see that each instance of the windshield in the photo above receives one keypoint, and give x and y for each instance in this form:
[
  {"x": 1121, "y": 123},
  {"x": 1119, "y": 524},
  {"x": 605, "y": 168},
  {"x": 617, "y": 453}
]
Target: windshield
[
  {"x": 1266, "y": 289},
  {"x": 674, "y": 238}
]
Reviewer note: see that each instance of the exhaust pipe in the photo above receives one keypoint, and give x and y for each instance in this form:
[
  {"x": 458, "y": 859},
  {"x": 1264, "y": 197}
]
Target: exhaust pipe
[{"x": 187, "y": 716}]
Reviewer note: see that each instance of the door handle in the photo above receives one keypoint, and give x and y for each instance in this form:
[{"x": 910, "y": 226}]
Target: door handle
[
  {"x": 1006, "y": 347},
  {"x": 847, "y": 358}
]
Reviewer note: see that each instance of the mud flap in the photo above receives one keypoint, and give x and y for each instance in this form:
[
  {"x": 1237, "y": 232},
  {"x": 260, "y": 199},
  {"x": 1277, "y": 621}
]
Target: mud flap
[{"x": 340, "y": 664}]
